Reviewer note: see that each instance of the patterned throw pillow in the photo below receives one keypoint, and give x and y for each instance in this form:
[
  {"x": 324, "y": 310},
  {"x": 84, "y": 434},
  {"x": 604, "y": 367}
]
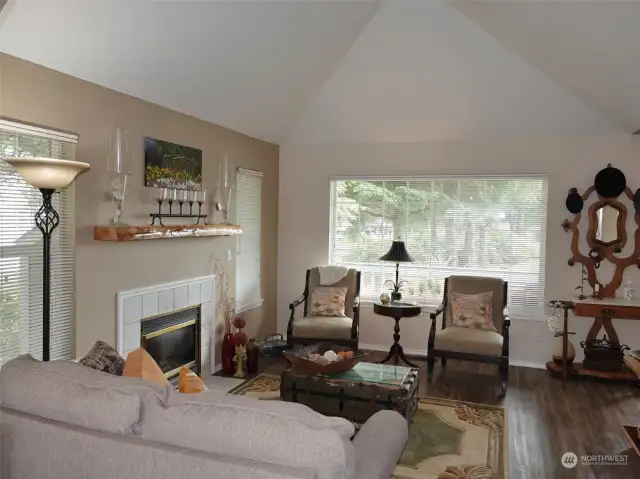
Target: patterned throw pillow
[
  {"x": 328, "y": 302},
  {"x": 473, "y": 310},
  {"x": 103, "y": 357}
]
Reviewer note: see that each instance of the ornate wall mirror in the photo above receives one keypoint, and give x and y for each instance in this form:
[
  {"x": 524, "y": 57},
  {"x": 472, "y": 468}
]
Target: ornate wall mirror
[
  {"x": 608, "y": 223},
  {"x": 607, "y": 232}
]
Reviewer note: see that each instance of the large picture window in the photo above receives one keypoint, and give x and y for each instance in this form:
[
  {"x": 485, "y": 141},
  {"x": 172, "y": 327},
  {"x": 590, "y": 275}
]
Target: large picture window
[
  {"x": 21, "y": 251},
  {"x": 451, "y": 225}
]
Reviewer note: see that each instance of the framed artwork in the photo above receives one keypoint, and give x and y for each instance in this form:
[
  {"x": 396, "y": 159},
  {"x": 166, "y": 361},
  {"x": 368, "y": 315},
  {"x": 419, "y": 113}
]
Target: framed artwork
[{"x": 168, "y": 165}]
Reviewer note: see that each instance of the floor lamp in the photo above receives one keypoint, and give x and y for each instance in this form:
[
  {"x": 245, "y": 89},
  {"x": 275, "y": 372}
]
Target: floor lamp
[{"x": 48, "y": 175}]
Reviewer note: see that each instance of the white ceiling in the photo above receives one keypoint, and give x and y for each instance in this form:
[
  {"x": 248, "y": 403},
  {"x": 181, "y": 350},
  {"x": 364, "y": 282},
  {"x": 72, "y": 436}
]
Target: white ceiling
[
  {"x": 592, "y": 48},
  {"x": 249, "y": 66},
  {"x": 424, "y": 72},
  {"x": 332, "y": 71}
]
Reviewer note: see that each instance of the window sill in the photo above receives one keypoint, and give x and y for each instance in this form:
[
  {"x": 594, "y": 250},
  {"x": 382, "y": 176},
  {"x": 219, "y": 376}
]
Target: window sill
[
  {"x": 514, "y": 315},
  {"x": 243, "y": 308}
]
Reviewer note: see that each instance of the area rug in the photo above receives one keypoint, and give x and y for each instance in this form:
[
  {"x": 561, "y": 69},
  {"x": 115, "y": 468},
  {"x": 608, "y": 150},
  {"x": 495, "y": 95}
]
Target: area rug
[{"x": 447, "y": 439}]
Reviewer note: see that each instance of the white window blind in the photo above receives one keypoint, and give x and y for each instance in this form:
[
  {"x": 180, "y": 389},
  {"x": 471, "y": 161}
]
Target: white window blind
[
  {"x": 451, "y": 225},
  {"x": 249, "y": 217},
  {"x": 21, "y": 255}
]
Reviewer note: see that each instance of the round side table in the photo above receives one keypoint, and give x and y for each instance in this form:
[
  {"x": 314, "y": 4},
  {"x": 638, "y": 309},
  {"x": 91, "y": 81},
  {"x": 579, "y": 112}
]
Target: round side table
[{"x": 397, "y": 311}]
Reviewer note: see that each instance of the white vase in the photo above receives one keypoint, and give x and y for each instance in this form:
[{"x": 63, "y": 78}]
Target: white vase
[{"x": 557, "y": 351}]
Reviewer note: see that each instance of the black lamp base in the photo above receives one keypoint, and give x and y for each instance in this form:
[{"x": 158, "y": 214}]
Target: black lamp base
[{"x": 47, "y": 220}]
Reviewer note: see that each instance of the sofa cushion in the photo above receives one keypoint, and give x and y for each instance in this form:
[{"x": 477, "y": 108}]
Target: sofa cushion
[
  {"x": 69, "y": 392},
  {"x": 468, "y": 340},
  {"x": 103, "y": 357},
  {"x": 140, "y": 364},
  {"x": 272, "y": 431},
  {"x": 323, "y": 327},
  {"x": 189, "y": 382}
]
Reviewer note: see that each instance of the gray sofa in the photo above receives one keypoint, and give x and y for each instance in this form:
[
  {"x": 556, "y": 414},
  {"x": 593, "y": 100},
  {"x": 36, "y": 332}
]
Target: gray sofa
[{"x": 63, "y": 420}]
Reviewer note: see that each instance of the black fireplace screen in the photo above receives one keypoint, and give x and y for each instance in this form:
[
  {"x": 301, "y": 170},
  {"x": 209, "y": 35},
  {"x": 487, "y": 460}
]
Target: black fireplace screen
[{"x": 172, "y": 340}]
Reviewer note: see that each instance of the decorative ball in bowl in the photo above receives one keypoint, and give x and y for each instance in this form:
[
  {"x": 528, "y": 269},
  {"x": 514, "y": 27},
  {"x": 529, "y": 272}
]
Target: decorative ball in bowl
[{"x": 324, "y": 358}]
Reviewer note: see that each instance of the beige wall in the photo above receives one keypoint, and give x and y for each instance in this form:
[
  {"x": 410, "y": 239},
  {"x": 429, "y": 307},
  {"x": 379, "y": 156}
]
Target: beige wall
[
  {"x": 36, "y": 94},
  {"x": 304, "y": 224}
]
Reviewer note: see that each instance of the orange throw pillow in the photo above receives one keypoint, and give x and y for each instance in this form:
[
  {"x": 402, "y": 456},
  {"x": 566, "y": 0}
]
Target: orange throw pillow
[
  {"x": 189, "y": 382},
  {"x": 140, "y": 364}
]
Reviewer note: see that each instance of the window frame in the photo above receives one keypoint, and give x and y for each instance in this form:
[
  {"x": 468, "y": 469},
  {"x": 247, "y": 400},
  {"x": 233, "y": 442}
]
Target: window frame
[
  {"x": 257, "y": 302},
  {"x": 532, "y": 313},
  {"x": 55, "y": 144}
]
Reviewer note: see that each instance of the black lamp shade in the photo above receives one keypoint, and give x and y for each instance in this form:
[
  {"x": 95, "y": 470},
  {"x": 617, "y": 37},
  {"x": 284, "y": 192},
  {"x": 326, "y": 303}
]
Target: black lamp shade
[{"x": 397, "y": 253}]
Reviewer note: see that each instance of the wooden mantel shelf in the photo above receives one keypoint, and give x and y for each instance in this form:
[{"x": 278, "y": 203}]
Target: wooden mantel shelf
[{"x": 138, "y": 233}]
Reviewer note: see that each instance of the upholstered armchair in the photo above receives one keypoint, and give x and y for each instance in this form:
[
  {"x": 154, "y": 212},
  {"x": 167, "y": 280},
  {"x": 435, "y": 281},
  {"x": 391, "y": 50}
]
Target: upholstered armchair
[
  {"x": 470, "y": 344},
  {"x": 313, "y": 329}
]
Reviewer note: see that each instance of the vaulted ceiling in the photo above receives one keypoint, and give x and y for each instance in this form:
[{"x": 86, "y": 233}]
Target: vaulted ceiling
[{"x": 364, "y": 71}]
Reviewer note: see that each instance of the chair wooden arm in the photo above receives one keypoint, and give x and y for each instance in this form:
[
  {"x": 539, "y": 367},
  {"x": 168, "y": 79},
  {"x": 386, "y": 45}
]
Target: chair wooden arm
[
  {"x": 434, "y": 315},
  {"x": 292, "y": 307},
  {"x": 438, "y": 312},
  {"x": 505, "y": 333},
  {"x": 355, "y": 325},
  {"x": 294, "y": 304}
]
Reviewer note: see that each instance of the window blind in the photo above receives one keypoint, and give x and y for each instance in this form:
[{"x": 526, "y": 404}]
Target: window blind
[
  {"x": 249, "y": 217},
  {"x": 21, "y": 257},
  {"x": 451, "y": 225}
]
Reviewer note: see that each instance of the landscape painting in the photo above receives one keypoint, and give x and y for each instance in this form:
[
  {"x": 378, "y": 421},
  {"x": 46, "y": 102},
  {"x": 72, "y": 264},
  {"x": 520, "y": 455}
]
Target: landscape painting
[{"x": 168, "y": 165}]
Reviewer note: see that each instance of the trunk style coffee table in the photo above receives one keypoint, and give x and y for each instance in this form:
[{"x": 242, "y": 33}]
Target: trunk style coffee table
[
  {"x": 355, "y": 395},
  {"x": 397, "y": 311}
]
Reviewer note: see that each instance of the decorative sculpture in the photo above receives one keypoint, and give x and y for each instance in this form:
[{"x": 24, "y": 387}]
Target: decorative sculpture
[{"x": 239, "y": 359}]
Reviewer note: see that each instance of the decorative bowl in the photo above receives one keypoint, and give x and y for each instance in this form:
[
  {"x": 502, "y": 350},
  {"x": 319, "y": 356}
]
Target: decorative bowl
[{"x": 300, "y": 357}]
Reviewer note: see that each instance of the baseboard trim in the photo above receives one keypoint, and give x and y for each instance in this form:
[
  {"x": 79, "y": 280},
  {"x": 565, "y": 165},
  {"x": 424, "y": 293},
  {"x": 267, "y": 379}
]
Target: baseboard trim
[
  {"x": 217, "y": 368},
  {"x": 528, "y": 364},
  {"x": 423, "y": 353},
  {"x": 385, "y": 349}
]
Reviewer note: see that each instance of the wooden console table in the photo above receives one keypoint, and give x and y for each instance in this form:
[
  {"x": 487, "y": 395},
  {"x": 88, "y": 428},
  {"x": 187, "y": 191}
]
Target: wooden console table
[{"x": 603, "y": 311}]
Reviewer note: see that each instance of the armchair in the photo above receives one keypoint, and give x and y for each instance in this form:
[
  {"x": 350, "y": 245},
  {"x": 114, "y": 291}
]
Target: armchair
[
  {"x": 314, "y": 329},
  {"x": 466, "y": 343}
]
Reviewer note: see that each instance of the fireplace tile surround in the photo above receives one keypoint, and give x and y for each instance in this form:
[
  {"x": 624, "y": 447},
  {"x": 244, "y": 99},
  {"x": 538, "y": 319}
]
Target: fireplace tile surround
[{"x": 137, "y": 304}]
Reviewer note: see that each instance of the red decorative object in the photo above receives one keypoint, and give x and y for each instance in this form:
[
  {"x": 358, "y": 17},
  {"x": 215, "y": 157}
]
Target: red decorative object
[
  {"x": 228, "y": 351},
  {"x": 239, "y": 322},
  {"x": 241, "y": 338}
]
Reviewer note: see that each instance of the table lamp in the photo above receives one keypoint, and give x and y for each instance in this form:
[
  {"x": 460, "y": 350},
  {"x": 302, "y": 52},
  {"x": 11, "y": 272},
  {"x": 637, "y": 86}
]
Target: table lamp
[
  {"x": 48, "y": 175},
  {"x": 398, "y": 254}
]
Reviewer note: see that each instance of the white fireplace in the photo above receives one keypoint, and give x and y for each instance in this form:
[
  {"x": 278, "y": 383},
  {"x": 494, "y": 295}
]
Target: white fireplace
[{"x": 136, "y": 305}]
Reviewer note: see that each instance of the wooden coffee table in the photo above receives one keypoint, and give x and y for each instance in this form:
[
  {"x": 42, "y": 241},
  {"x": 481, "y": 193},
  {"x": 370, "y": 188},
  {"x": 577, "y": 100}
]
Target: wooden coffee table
[{"x": 355, "y": 395}]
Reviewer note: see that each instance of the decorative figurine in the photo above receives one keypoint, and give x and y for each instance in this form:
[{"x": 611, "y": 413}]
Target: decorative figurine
[
  {"x": 239, "y": 359},
  {"x": 583, "y": 278},
  {"x": 597, "y": 291}
]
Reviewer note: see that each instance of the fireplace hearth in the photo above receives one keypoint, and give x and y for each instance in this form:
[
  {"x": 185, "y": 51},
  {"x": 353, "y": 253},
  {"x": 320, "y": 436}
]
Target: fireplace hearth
[{"x": 173, "y": 340}]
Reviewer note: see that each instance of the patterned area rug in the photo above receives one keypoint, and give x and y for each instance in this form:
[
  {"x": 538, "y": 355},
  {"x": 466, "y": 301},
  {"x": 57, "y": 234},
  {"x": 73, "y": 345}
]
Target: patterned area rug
[{"x": 447, "y": 439}]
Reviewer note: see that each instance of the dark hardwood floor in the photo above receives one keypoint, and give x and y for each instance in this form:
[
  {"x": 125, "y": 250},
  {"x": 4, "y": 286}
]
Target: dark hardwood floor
[{"x": 547, "y": 417}]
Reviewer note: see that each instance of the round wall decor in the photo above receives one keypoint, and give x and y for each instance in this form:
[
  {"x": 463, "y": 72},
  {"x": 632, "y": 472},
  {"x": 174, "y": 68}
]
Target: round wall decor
[{"x": 610, "y": 182}]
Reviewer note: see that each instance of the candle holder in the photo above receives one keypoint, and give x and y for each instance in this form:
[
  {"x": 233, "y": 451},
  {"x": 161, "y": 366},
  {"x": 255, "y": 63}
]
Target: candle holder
[
  {"x": 171, "y": 198},
  {"x": 192, "y": 198},
  {"x": 184, "y": 196},
  {"x": 201, "y": 198}
]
